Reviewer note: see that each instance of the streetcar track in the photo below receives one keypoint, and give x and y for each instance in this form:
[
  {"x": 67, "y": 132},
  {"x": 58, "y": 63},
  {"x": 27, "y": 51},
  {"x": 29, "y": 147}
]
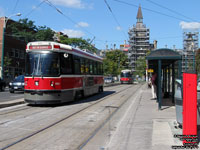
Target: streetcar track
[
  {"x": 63, "y": 119},
  {"x": 81, "y": 146}
]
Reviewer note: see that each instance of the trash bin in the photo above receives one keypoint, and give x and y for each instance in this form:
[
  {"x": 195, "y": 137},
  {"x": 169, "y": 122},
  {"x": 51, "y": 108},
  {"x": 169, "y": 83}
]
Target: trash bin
[{"x": 179, "y": 102}]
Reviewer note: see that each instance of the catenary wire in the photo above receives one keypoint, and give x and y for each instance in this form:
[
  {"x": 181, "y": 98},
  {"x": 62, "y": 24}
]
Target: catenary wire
[
  {"x": 15, "y": 6},
  {"x": 157, "y": 12},
  {"x": 173, "y": 11},
  {"x": 33, "y": 9},
  {"x": 109, "y": 8},
  {"x": 67, "y": 17}
]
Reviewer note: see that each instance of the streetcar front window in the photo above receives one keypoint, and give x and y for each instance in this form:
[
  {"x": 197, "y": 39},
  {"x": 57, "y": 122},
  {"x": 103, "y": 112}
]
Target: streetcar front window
[
  {"x": 42, "y": 64},
  {"x": 127, "y": 74}
]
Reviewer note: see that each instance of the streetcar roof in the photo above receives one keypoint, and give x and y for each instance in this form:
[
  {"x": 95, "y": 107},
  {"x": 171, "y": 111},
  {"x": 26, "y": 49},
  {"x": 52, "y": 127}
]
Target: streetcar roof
[
  {"x": 126, "y": 70},
  {"x": 58, "y": 47}
]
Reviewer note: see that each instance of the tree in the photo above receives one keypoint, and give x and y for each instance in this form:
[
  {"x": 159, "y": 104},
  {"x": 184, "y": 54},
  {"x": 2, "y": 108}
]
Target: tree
[
  {"x": 114, "y": 62},
  {"x": 197, "y": 61},
  {"x": 7, "y": 63},
  {"x": 26, "y": 29},
  {"x": 140, "y": 66},
  {"x": 78, "y": 42},
  {"x": 44, "y": 34}
]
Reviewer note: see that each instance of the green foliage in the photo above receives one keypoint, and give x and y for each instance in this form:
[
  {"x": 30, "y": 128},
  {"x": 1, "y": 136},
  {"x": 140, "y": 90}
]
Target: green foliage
[
  {"x": 26, "y": 29},
  {"x": 44, "y": 34},
  {"x": 78, "y": 42},
  {"x": 140, "y": 66},
  {"x": 7, "y": 63},
  {"x": 114, "y": 62}
]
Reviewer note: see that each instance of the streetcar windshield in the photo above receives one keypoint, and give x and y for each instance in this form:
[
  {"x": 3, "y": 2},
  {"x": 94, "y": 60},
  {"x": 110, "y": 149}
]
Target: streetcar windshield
[
  {"x": 126, "y": 74},
  {"x": 42, "y": 64}
]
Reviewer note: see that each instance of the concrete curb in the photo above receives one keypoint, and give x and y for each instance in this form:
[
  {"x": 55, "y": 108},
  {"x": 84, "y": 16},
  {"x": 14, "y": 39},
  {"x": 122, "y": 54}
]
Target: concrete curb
[{"x": 12, "y": 103}]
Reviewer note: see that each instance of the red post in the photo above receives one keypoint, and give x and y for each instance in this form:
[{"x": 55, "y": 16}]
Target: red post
[{"x": 189, "y": 108}]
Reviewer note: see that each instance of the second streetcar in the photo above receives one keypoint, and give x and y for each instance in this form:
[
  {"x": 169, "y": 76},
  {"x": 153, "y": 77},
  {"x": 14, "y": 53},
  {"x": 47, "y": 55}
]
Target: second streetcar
[{"x": 126, "y": 76}]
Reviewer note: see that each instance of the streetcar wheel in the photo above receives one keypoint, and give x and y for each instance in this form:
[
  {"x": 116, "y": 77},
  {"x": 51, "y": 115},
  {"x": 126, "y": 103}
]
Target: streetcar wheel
[
  {"x": 100, "y": 89},
  {"x": 82, "y": 94},
  {"x": 3, "y": 88},
  {"x": 11, "y": 91}
]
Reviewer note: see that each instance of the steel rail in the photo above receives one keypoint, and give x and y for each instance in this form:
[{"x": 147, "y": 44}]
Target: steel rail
[{"x": 60, "y": 120}]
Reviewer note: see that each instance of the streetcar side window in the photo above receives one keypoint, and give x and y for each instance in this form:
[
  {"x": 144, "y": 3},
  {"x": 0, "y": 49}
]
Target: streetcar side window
[
  {"x": 66, "y": 63},
  {"x": 91, "y": 67},
  {"x": 82, "y": 65},
  {"x": 101, "y": 68},
  {"x": 95, "y": 67},
  {"x": 77, "y": 65},
  {"x": 87, "y": 66}
]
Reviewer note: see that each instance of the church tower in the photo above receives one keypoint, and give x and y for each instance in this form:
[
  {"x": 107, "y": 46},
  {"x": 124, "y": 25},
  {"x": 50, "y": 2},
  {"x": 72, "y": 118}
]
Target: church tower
[{"x": 138, "y": 40}]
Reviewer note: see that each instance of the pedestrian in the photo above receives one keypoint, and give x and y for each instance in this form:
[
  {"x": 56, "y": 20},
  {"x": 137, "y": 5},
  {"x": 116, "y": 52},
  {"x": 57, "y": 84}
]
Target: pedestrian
[
  {"x": 154, "y": 85},
  {"x": 149, "y": 83}
]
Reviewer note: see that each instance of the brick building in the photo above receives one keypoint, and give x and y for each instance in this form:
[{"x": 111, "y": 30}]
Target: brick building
[{"x": 14, "y": 52}]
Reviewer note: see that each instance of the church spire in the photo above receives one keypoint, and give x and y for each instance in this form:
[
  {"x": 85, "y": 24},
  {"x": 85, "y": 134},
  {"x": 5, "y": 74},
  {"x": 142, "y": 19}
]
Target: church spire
[{"x": 139, "y": 15}]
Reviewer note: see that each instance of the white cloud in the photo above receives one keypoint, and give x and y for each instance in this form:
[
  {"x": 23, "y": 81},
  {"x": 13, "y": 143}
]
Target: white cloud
[
  {"x": 82, "y": 24},
  {"x": 70, "y": 3},
  {"x": 73, "y": 33},
  {"x": 190, "y": 25},
  {"x": 118, "y": 28}
]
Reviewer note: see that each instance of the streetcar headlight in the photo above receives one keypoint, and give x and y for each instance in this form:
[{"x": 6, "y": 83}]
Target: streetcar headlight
[
  {"x": 36, "y": 83},
  {"x": 19, "y": 83},
  {"x": 10, "y": 83}
]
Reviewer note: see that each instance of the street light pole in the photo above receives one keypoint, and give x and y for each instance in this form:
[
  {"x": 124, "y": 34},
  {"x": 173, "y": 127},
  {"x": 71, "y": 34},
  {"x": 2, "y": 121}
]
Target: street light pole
[{"x": 2, "y": 56}]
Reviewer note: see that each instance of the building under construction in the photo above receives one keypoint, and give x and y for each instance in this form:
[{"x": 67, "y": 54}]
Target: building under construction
[
  {"x": 138, "y": 40},
  {"x": 190, "y": 45}
]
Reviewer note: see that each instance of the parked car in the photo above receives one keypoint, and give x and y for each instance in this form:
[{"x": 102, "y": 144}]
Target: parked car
[
  {"x": 17, "y": 84},
  {"x": 108, "y": 80},
  {"x": 2, "y": 85}
]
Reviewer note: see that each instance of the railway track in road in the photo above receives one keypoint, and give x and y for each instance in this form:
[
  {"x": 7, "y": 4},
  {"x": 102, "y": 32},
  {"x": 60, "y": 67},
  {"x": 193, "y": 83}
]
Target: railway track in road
[
  {"x": 60, "y": 120},
  {"x": 23, "y": 107}
]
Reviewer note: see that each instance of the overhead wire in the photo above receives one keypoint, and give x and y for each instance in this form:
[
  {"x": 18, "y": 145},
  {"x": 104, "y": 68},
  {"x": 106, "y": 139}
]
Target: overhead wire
[
  {"x": 173, "y": 11},
  {"x": 157, "y": 12},
  {"x": 33, "y": 9},
  {"x": 67, "y": 17},
  {"x": 109, "y": 8},
  {"x": 15, "y": 6}
]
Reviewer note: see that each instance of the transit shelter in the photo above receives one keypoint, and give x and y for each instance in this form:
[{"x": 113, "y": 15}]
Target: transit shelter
[{"x": 167, "y": 64}]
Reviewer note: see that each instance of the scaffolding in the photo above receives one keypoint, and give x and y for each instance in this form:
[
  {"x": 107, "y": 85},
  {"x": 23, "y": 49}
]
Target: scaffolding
[{"x": 190, "y": 45}]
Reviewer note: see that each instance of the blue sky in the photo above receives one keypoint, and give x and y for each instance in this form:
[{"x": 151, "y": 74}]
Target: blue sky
[{"x": 92, "y": 18}]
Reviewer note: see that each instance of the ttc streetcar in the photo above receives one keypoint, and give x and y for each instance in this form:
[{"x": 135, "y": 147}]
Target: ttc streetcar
[
  {"x": 126, "y": 76},
  {"x": 57, "y": 73}
]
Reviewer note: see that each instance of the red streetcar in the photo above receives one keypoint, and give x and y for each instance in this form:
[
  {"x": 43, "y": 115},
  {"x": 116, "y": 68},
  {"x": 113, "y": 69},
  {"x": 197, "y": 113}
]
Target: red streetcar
[
  {"x": 126, "y": 76},
  {"x": 57, "y": 73}
]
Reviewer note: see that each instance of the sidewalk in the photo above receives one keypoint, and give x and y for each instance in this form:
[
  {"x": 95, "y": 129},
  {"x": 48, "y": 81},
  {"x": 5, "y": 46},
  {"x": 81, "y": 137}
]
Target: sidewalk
[{"x": 144, "y": 127}]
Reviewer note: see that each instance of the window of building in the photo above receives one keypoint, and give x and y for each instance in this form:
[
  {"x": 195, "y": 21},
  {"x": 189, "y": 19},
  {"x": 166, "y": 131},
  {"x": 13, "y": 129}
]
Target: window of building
[
  {"x": 22, "y": 55},
  {"x": 12, "y": 53},
  {"x": 16, "y": 53}
]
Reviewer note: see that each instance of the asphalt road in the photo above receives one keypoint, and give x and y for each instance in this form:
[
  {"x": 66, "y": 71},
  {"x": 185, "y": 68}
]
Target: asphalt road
[{"x": 7, "y": 96}]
